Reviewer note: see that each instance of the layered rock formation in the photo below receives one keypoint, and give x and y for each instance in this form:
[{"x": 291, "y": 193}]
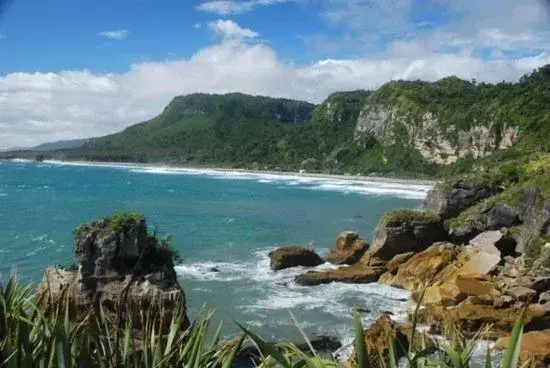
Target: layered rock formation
[{"x": 120, "y": 266}]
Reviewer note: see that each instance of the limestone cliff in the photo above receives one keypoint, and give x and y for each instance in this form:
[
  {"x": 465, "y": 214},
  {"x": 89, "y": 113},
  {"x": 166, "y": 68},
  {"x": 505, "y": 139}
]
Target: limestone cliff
[{"x": 395, "y": 115}]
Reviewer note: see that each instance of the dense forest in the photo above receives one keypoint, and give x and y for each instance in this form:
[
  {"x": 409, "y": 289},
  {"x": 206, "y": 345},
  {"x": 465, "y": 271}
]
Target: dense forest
[{"x": 241, "y": 131}]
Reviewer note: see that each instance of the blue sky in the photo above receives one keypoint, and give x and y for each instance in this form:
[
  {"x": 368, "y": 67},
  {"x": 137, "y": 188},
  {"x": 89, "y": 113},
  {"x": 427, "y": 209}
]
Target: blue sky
[{"x": 80, "y": 68}]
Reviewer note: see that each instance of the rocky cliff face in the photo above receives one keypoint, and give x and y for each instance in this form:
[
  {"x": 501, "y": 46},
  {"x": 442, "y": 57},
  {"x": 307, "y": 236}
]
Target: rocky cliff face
[
  {"x": 119, "y": 266},
  {"x": 437, "y": 141}
]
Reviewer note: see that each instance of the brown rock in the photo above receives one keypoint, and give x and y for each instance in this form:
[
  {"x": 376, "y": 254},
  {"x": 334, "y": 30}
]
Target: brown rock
[
  {"x": 349, "y": 249},
  {"x": 522, "y": 293},
  {"x": 470, "y": 285},
  {"x": 503, "y": 301},
  {"x": 294, "y": 256},
  {"x": 535, "y": 347},
  {"x": 398, "y": 260},
  {"x": 471, "y": 318},
  {"x": 423, "y": 267},
  {"x": 377, "y": 339},
  {"x": 482, "y": 300},
  {"x": 356, "y": 274},
  {"x": 446, "y": 294}
]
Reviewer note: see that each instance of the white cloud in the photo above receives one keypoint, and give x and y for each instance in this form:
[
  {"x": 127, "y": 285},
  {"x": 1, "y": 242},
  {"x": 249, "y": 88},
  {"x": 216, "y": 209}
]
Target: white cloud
[
  {"x": 38, "y": 107},
  {"x": 118, "y": 34},
  {"x": 197, "y": 25},
  {"x": 2, "y": 36},
  {"x": 228, "y": 7},
  {"x": 228, "y": 29}
]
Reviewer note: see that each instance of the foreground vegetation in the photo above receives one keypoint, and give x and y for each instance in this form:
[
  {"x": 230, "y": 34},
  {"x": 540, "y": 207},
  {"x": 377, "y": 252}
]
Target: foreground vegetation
[{"x": 66, "y": 338}]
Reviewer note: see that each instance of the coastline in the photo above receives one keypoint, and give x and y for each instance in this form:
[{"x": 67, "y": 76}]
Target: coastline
[{"x": 205, "y": 169}]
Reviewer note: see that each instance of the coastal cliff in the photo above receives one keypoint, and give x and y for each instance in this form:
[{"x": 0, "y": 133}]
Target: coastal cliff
[{"x": 403, "y": 128}]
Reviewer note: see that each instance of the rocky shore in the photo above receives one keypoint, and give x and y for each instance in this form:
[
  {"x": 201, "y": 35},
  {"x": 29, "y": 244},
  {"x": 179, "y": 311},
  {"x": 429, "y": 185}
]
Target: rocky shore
[{"x": 471, "y": 258}]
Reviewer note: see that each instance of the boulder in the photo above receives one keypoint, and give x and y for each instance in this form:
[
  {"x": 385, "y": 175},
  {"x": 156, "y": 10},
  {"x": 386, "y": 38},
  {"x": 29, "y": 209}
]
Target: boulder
[
  {"x": 356, "y": 274},
  {"x": 377, "y": 341},
  {"x": 535, "y": 347},
  {"x": 503, "y": 301},
  {"x": 446, "y": 294},
  {"x": 472, "y": 285},
  {"x": 398, "y": 260},
  {"x": 540, "y": 284},
  {"x": 472, "y": 317},
  {"x": 447, "y": 203},
  {"x": 422, "y": 268},
  {"x": 349, "y": 249},
  {"x": 405, "y": 231},
  {"x": 120, "y": 266},
  {"x": 522, "y": 293},
  {"x": 480, "y": 259},
  {"x": 544, "y": 298},
  {"x": 293, "y": 256}
]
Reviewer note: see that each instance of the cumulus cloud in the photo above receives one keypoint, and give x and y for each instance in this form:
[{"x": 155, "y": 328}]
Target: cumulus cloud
[
  {"x": 228, "y": 29},
  {"x": 38, "y": 107},
  {"x": 118, "y": 34},
  {"x": 228, "y": 7}
]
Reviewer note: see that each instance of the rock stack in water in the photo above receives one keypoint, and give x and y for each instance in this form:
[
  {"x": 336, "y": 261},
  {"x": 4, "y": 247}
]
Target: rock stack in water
[{"x": 119, "y": 265}]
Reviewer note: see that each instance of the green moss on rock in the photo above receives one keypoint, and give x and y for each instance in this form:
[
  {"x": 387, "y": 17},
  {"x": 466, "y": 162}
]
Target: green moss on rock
[
  {"x": 401, "y": 216},
  {"x": 534, "y": 249}
]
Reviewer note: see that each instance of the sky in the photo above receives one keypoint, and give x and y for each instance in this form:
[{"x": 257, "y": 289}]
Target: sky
[{"x": 84, "y": 68}]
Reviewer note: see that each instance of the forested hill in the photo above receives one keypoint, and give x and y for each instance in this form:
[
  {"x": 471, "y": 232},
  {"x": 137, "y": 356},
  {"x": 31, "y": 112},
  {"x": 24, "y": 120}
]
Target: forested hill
[{"x": 411, "y": 128}]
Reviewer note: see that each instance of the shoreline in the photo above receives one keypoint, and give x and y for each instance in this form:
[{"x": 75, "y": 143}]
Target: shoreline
[{"x": 357, "y": 178}]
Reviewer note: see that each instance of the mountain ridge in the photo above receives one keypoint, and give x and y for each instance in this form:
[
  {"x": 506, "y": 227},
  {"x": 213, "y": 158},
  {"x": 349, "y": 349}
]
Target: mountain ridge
[{"x": 403, "y": 128}]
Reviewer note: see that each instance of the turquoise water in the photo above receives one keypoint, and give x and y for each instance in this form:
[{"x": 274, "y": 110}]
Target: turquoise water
[{"x": 225, "y": 220}]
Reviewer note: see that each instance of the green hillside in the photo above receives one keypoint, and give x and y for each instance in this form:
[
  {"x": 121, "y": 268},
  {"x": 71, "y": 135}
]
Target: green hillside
[{"x": 404, "y": 128}]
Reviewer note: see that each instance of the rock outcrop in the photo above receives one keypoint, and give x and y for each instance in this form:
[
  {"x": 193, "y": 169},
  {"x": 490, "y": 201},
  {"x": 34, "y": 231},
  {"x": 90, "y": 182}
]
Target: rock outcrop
[
  {"x": 535, "y": 348},
  {"x": 401, "y": 232},
  {"x": 449, "y": 203},
  {"x": 119, "y": 266},
  {"x": 356, "y": 274},
  {"x": 349, "y": 249},
  {"x": 294, "y": 256}
]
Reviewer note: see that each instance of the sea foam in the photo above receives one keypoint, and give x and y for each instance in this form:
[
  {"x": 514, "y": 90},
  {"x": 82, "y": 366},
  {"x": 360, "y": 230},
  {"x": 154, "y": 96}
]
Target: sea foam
[{"x": 319, "y": 183}]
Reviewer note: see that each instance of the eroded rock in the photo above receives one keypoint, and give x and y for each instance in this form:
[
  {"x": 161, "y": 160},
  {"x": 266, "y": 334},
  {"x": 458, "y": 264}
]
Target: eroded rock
[
  {"x": 535, "y": 347},
  {"x": 356, "y": 274},
  {"x": 293, "y": 256},
  {"x": 349, "y": 248},
  {"x": 120, "y": 266},
  {"x": 403, "y": 232}
]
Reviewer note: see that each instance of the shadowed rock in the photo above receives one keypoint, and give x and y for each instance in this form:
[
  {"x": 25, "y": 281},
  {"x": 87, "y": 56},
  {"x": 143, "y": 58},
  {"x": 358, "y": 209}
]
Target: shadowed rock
[
  {"x": 119, "y": 266},
  {"x": 349, "y": 249},
  {"x": 286, "y": 257}
]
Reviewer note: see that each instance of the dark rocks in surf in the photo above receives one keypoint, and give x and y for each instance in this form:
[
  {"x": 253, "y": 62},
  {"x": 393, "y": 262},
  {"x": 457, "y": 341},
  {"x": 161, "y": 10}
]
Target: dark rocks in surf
[{"x": 293, "y": 256}]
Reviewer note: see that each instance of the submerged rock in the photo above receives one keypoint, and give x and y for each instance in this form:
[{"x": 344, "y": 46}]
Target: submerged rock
[
  {"x": 294, "y": 256},
  {"x": 349, "y": 249},
  {"x": 119, "y": 266}
]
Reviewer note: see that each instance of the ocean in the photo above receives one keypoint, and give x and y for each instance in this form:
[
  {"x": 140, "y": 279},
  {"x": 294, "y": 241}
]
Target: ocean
[{"x": 220, "y": 221}]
